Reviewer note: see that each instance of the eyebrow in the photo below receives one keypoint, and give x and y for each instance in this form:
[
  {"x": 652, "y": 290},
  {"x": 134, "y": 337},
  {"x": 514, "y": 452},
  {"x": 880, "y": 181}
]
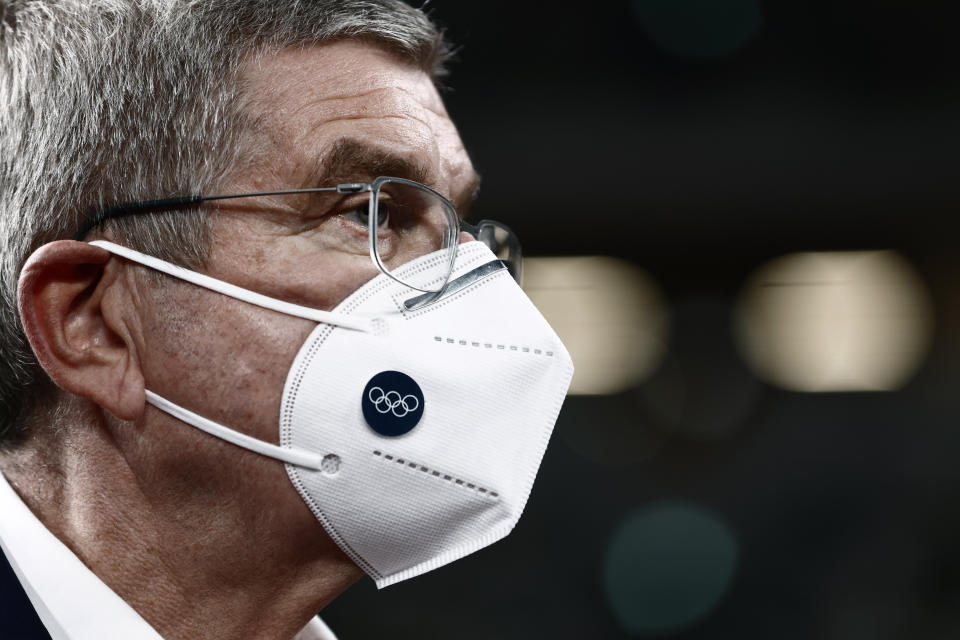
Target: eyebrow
[{"x": 350, "y": 159}]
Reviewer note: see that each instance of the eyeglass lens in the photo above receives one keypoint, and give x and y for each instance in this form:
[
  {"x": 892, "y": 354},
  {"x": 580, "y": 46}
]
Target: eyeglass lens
[
  {"x": 502, "y": 242},
  {"x": 413, "y": 222}
]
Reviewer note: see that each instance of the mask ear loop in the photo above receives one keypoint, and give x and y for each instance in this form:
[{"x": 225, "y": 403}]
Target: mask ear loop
[
  {"x": 233, "y": 291},
  {"x": 294, "y": 456}
]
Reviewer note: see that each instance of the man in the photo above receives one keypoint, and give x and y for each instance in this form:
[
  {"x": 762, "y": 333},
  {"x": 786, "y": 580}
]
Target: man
[{"x": 147, "y": 490}]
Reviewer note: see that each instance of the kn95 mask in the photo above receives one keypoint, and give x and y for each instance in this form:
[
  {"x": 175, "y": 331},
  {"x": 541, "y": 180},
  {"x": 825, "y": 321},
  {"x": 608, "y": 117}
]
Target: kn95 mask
[{"x": 413, "y": 434}]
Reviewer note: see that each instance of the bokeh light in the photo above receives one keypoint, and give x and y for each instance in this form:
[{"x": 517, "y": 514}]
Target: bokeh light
[
  {"x": 667, "y": 566},
  {"x": 700, "y": 28},
  {"x": 609, "y": 314},
  {"x": 835, "y": 321}
]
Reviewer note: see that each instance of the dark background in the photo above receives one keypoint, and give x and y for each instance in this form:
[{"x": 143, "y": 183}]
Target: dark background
[{"x": 699, "y": 139}]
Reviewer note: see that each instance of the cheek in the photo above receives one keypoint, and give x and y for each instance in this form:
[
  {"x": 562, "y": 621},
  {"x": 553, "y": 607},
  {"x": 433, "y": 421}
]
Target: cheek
[
  {"x": 221, "y": 358},
  {"x": 322, "y": 286},
  {"x": 301, "y": 268},
  {"x": 330, "y": 285}
]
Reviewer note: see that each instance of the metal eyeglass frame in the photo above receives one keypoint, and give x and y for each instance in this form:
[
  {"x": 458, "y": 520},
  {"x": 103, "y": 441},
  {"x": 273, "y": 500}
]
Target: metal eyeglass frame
[{"x": 485, "y": 231}]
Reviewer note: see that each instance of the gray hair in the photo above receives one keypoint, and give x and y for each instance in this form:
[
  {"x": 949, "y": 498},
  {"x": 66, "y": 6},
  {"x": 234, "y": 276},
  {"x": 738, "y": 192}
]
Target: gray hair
[{"x": 103, "y": 101}]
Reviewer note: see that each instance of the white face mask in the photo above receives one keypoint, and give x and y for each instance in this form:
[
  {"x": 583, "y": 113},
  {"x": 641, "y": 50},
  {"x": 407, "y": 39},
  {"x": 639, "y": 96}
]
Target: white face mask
[{"x": 413, "y": 436}]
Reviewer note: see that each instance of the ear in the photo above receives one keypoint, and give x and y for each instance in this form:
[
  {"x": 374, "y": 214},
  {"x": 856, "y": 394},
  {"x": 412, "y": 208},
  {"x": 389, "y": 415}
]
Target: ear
[{"x": 69, "y": 296}]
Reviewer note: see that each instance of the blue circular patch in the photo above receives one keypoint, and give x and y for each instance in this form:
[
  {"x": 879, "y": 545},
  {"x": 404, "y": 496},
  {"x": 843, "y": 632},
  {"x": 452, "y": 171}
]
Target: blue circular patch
[{"x": 392, "y": 403}]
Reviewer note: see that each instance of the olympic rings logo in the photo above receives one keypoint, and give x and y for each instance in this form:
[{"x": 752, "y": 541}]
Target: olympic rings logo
[{"x": 393, "y": 402}]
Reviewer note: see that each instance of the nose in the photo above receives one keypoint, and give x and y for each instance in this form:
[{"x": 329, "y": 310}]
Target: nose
[{"x": 465, "y": 237}]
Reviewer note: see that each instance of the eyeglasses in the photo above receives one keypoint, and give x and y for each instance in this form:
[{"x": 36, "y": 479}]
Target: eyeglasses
[{"x": 410, "y": 221}]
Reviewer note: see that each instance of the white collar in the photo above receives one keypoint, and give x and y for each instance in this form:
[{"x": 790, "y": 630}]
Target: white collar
[{"x": 72, "y": 602}]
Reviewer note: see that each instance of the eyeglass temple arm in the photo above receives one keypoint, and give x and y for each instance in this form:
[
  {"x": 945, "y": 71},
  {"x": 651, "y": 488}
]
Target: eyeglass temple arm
[
  {"x": 143, "y": 206},
  {"x": 129, "y": 208}
]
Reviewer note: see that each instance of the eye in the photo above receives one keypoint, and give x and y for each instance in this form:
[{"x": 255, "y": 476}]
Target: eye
[{"x": 360, "y": 215}]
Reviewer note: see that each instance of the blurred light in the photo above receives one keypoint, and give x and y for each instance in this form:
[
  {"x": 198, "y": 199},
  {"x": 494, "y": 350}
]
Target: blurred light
[
  {"x": 700, "y": 28},
  {"x": 667, "y": 566},
  {"x": 838, "y": 321},
  {"x": 609, "y": 314}
]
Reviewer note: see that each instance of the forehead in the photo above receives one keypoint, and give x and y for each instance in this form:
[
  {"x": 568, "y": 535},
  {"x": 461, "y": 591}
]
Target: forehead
[{"x": 309, "y": 100}]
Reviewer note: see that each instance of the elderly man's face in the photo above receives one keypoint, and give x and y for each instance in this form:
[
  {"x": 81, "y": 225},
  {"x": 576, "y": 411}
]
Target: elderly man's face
[{"x": 344, "y": 112}]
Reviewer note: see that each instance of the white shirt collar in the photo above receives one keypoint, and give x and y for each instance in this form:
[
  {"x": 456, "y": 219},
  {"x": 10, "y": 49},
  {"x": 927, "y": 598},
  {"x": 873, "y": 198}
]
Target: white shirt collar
[{"x": 73, "y": 603}]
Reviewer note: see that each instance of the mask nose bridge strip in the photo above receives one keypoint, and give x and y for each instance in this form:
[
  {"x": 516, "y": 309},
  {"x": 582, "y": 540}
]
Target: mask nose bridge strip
[
  {"x": 239, "y": 293},
  {"x": 294, "y": 456},
  {"x": 462, "y": 282}
]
